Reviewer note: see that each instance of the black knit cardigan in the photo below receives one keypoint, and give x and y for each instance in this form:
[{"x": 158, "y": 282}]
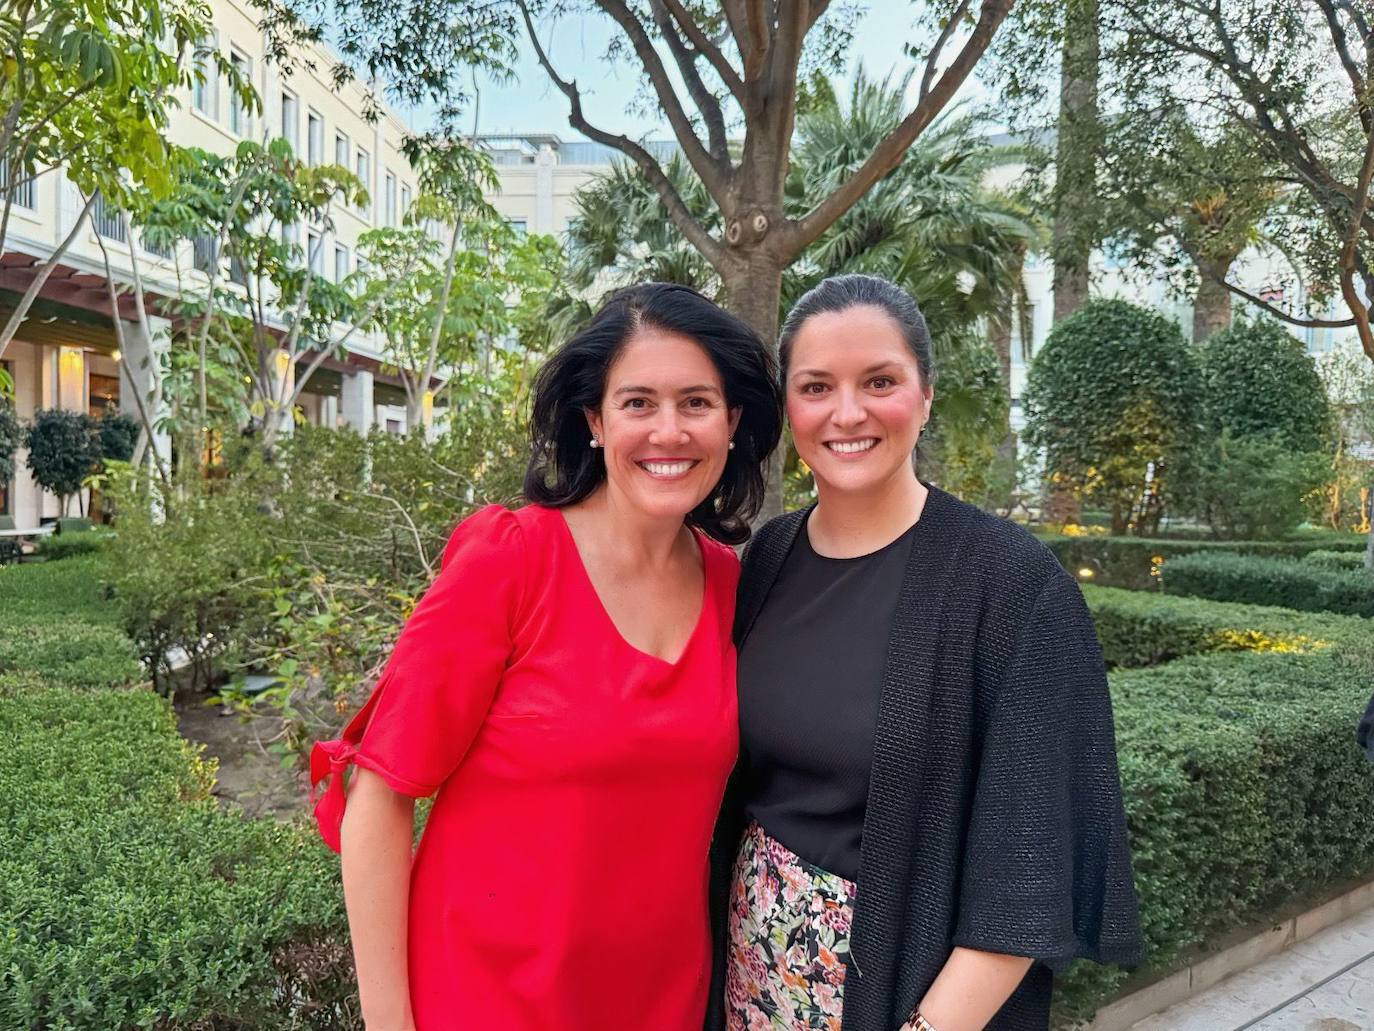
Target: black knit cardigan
[{"x": 994, "y": 817}]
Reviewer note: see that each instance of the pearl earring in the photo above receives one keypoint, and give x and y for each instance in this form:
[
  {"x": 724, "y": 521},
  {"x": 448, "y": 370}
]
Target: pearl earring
[
  {"x": 596, "y": 442},
  {"x": 731, "y": 446}
]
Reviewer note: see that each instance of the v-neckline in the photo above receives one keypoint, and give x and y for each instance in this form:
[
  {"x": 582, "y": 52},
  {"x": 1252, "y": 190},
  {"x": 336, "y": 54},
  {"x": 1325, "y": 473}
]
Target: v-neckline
[{"x": 606, "y": 613}]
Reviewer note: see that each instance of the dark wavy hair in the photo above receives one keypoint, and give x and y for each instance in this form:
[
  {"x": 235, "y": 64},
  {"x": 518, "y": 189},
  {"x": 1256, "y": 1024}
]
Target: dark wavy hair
[
  {"x": 563, "y": 469},
  {"x": 840, "y": 293}
]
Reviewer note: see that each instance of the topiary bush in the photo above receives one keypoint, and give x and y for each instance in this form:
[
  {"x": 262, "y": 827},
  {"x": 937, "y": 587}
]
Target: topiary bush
[
  {"x": 1271, "y": 581},
  {"x": 1259, "y": 381},
  {"x": 64, "y": 449},
  {"x": 11, "y": 435},
  {"x": 1114, "y": 393}
]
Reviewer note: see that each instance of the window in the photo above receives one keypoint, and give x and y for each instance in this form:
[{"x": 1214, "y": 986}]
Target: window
[
  {"x": 340, "y": 263},
  {"x": 364, "y": 172},
  {"x": 341, "y": 150},
  {"x": 24, "y": 195},
  {"x": 203, "y": 253},
  {"x": 239, "y": 122},
  {"x": 205, "y": 88},
  {"x": 314, "y": 139},
  {"x": 106, "y": 221},
  {"x": 390, "y": 199},
  {"x": 290, "y": 122},
  {"x": 314, "y": 253},
  {"x": 519, "y": 226},
  {"x": 405, "y": 199}
]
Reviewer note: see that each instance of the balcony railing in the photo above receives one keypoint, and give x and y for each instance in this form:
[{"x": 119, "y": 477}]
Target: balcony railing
[{"x": 24, "y": 195}]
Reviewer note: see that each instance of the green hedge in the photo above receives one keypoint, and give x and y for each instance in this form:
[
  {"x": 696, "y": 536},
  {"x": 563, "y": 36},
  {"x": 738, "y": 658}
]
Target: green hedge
[
  {"x": 72, "y": 543},
  {"x": 1269, "y": 581},
  {"x": 1336, "y": 559},
  {"x": 1132, "y": 561},
  {"x": 56, "y": 629},
  {"x": 130, "y": 900},
  {"x": 1244, "y": 789},
  {"x": 1146, "y": 629}
]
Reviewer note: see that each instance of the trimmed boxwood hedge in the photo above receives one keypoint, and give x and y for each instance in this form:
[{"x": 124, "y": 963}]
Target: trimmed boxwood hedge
[
  {"x": 1132, "y": 561},
  {"x": 128, "y": 897},
  {"x": 1243, "y": 786},
  {"x": 1336, "y": 559},
  {"x": 55, "y": 630},
  {"x": 130, "y": 900},
  {"x": 1270, "y": 581}
]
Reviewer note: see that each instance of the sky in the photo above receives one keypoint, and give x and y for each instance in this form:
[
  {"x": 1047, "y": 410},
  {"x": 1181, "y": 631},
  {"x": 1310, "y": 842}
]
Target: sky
[{"x": 577, "y": 45}]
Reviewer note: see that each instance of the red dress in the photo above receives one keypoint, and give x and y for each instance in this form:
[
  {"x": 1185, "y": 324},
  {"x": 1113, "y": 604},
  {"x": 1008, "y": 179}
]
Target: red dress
[{"x": 560, "y": 883}]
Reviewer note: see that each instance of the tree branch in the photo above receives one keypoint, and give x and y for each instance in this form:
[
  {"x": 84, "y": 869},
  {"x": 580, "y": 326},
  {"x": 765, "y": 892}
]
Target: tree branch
[
  {"x": 933, "y": 59},
  {"x": 707, "y": 49},
  {"x": 1279, "y": 313},
  {"x": 691, "y": 229},
  {"x": 708, "y": 168},
  {"x": 705, "y": 100},
  {"x": 800, "y": 233},
  {"x": 26, "y": 302},
  {"x": 757, "y": 38},
  {"x": 1352, "y": 70}
]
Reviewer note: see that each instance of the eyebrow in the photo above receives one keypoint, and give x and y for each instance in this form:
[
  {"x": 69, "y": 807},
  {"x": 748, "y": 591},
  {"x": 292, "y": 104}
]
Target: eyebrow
[
  {"x": 701, "y": 388},
  {"x": 880, "y": 367}
]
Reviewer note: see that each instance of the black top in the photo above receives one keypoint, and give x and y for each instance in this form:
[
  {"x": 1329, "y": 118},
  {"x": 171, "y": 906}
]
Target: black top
[
  {"x": 810, "y": 679},
  {"x": 994, "y": 817}
]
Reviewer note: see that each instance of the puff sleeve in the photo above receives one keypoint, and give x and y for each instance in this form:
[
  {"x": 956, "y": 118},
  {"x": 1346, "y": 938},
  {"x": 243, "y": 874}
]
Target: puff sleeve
[
  {"x": 441, "y": 677},
  {"x": 1047, "y": 870}
]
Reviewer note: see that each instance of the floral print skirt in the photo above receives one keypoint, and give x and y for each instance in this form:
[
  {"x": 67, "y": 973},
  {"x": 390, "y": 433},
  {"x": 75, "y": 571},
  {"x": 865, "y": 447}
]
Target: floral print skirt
[{"x": 789, "y": 940}]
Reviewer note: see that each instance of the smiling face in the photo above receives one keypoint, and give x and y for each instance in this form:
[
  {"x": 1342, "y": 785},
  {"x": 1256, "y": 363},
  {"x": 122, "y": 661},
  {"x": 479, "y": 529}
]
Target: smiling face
[
  {"x": 855, "y": 399},
  {"x": 664, "y": 425}
]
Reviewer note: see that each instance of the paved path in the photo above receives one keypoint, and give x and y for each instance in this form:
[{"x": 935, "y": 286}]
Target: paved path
[{"x": 1325, "y": 983}]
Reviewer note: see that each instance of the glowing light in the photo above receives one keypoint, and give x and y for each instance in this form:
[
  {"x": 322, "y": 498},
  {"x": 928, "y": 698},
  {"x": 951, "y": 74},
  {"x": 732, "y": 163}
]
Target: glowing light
[{"x": 1086, "y": 574}]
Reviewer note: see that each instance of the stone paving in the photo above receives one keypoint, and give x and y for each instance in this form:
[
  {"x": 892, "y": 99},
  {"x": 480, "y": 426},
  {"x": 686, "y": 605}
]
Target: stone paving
[{"x": 1325, "y": 983}]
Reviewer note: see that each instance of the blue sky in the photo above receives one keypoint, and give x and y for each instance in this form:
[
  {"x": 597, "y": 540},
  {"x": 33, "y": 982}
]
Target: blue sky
[{"x": 577, "y": 45}]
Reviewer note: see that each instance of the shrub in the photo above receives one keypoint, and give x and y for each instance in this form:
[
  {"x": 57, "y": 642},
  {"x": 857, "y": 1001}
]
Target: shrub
[
  {"x": 63, "y": 450},
  {"x": 1271, "y": 581},
  {"x": 56, "y": 630},
  {"x": 1244, "y": 789},
  {"x": 1114, "y": 392},
  {"x": 10, "y": 436},
  {"x": 131, "y": 900},
  {"x": 1259, "y": 381},
  {"x": 1134, "y": 562},
  {"x": 1139, "y": 629},
  {"x": 71, "y": 543},
  {"x": 1335, "y": 559},
  {"x": 1249, "y": 488},
  {"x": 118, "y": 433}
]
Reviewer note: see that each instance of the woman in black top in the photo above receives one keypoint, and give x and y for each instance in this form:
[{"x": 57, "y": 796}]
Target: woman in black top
[{"x": 926, "y": 819}]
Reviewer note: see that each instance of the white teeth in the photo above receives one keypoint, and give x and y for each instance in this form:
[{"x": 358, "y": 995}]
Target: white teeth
[
  {"x": 666, "y": 468},
  {"x": 851, "y": 447}
]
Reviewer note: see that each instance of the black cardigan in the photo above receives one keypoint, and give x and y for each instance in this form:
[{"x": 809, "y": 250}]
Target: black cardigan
[{"x": 994, "y": 816}]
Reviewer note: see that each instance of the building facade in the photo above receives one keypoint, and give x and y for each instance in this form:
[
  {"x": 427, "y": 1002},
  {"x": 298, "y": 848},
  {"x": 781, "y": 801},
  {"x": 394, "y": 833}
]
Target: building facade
[{"x": 64, "y": 355}]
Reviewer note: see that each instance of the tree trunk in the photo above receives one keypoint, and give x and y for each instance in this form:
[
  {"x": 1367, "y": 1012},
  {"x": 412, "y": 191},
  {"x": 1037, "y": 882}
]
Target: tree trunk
[
  {"x": 1212, "y": 305},
  {"x": 1076, "y": 154},
  {"x": 1369, "y": 517},
  {"x": 753, "y": 291}
]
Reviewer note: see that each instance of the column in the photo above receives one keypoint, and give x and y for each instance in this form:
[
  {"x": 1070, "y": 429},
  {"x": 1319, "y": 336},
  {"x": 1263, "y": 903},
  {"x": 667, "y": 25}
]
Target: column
[
  {"x": 544, "y": 161},
  {"x": 356, "y": 404},
  {"x": 329, "y": 412}
]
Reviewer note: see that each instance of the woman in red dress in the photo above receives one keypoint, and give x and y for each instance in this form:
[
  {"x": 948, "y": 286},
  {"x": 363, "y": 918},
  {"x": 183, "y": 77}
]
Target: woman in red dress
[{"x": 567, "y": 687}]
